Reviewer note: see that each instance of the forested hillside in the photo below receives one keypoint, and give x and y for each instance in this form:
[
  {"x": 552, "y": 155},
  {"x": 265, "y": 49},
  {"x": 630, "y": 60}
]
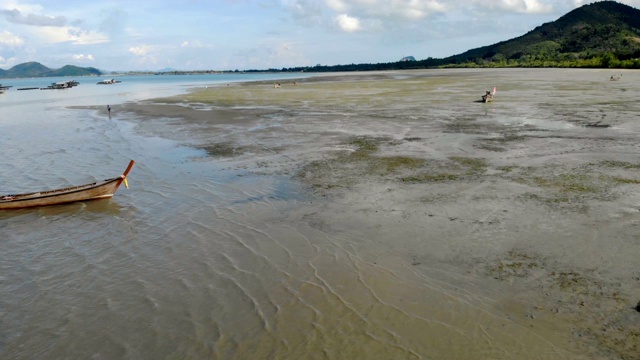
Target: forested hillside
[{"x": 604, "y": 34}]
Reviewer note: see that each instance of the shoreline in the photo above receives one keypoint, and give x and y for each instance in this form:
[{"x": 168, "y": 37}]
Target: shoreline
[{"x": 546, "y": 207}]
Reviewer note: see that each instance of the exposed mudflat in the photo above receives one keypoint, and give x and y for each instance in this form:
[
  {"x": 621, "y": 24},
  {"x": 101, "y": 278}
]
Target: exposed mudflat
[{"x": 538, "y": 190}]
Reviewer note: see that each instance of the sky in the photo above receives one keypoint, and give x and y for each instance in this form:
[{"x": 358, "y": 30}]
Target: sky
[{"x": 138, "y": 35}]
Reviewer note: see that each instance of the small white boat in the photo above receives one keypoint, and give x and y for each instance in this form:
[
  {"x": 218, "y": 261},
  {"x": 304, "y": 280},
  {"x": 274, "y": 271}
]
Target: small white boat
[{"x": 61, "y": 85}]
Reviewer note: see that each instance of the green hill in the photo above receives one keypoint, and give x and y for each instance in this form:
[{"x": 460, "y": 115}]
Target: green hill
[
  {"x": 29, "y": 69},
  {"x": 70, "y": 70},
  {"x": 35, "y": 69},
  {"x": 600, "y": 34},
  {"x": 604, "y": 34}
]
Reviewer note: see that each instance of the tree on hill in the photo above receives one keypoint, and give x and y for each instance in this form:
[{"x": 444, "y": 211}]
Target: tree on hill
[
  {"x": 70, "y": 70},
  {"x": 581, "y": 37},
  {"x": 35, "y": 69},
  {"x": 29, "y": 69},
  {"x": 603, "y": 34}
]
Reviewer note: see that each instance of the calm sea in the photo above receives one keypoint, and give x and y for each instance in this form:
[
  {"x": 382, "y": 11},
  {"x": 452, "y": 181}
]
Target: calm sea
[
  {"x": 199, "y": 263},
  {"x": 151, "y": 273}
]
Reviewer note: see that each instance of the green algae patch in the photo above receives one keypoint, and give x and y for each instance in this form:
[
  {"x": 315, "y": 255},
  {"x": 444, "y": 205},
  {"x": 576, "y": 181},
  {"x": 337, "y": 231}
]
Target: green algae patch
[
  {"x": 427, "y": 178},
  {"x": 513, "y": 264},
  {"x": 361, "y": 159},
  {"x": 306, "y": 93},
  {"x": 355, "y": 165},
  {"x": 223, "y": 150},
  {"x": 600, "y": 310},
  {"x": 570, "y": 183},
  {"x": 506, "y": 137},
  {"x": 465, "y": 126},
  {"x": 507, "y": 169},
  {"x": 561, "y": 184},
  {"x": 366, "y": 143},
  {"x": 458, "y": 168},
  {"x": 549, "y": 200},
  {"x": 391, "y": 164},
  {"x": 618, "y": 164},
  {"x": 621, "y": 180},
  {"x": 569, "y": 280},
  {"x": 470, "y": 165},
  {"x": 365, "y": 146},
  {"x": 490, "y": 147}
]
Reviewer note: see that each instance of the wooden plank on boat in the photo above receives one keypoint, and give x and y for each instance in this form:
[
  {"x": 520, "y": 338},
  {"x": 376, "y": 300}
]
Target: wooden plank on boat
[{"x": 98, "y": 190}]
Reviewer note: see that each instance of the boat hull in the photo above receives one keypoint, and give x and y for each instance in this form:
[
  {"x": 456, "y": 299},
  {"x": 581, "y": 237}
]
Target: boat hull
[{"x": 94, "y": 191}]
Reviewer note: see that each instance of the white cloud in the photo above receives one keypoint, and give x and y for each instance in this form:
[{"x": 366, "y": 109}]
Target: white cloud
[
  {"x": 15, "y": 16},
  {"x": 336, "y": 5},
  {"x": 142, "y": 50},
  {"x": 32, "y": 22},
  {"x": 193, "y": 44},
  {"x": 286, "y": 53},
  {"x": 148, "y": 62},
  {"x": 348, "y": 23},
  {"x": 145, "y": 55},
  {"x": 272, "y": 53},
  {"x": 9, "y": 39},
  {"x": 20, "y": 6},
  {"x": 262, "y": 33},
  {"x": 405, "y": 9},
  {"x": 401, "y": 9},
  {"x": 88, "y": 38},
  {"x": 520, "y": 6},
  {"x": 397, "y": 13},
  {"x": 7, "y": 62},
  {"x": 83, "y": 57},
  {"x": 306, "y": 12},
  {"x": 69, "y": 34}
]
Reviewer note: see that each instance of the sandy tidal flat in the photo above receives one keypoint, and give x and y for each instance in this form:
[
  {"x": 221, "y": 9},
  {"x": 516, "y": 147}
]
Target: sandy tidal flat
[{"x": 528, "y": 206}]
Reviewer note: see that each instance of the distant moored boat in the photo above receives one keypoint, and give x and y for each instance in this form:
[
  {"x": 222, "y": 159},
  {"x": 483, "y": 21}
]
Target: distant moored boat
[{"x": 108, "y": 82}]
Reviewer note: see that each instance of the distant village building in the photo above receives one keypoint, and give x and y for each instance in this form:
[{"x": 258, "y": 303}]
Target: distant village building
[{"x": 408, "y": 58}]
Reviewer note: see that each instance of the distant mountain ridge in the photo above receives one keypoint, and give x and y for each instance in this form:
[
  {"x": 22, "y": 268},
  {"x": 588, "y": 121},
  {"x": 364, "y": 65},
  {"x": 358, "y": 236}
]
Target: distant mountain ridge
[
  {"x": 35, "y": 69},
  {"x": 604, "y": 34}
]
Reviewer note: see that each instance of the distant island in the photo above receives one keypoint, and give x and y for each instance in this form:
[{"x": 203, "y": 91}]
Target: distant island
[
  {"x": 604, "y": 34},
  {"x": 35, "y": 69}
]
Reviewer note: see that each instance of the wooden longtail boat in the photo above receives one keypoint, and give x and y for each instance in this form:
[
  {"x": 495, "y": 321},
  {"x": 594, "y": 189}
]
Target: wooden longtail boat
[{"x": 98, "y": 190}]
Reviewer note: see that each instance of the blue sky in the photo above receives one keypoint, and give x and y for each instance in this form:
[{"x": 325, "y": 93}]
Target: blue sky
[{"x": 258, "y": 34}]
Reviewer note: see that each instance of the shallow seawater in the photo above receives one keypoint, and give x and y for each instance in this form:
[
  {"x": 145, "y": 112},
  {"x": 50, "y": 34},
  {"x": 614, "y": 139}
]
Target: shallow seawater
[{"x": 198, "y": 261}]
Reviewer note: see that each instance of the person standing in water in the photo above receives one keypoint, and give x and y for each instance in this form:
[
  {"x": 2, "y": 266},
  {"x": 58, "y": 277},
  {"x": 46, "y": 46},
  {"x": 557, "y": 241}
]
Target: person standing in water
[{"x": 109, "y": 109}]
